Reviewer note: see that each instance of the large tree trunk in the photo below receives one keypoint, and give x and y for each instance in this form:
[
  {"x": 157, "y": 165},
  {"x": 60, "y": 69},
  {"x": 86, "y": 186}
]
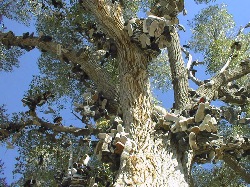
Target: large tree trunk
[
  {"x": 157, "y": 160},
  {"x": 157, "y": 163}
]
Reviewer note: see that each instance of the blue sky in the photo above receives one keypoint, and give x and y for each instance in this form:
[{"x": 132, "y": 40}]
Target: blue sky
[{"x": 14, "y": 84}]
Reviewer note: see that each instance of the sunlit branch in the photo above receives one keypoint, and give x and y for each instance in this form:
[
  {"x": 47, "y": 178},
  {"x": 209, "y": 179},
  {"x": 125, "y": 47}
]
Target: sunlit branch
[
  {"x": 227, "y": 63},
  {"x": 190, "y": 65}
]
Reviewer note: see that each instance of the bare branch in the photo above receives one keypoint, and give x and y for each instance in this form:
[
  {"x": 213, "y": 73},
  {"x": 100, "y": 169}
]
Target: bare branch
[
  {"x": 178, "y": 72},
  {"x": 7, "y": 130},
  {"x": 58, "y": 128},
  {"x": 227, "y": 63},
  {"x": 190, "y": 65}
]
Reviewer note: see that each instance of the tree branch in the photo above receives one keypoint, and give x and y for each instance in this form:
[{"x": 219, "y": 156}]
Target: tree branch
[
  {"x": 178, "y": 72},
  {"x": 8, "y": 129},
  {"x": 102, "y": 79},
  {"x": 108, "y": 16},
  {"x": 223, "y": 78},
  {"x": 88, "y": 60},
  {"x": 210, "y": 143},
  {"x": 226, "y": 76},
  {"x": 236, "y": 46},
  {"x": 58, "y": 128},
  {"x": 228, "y": 95},
  {"x": 190, "y": 65},
  {"x": 236, "y": 167},
  {"x": 228, "y": 62}
]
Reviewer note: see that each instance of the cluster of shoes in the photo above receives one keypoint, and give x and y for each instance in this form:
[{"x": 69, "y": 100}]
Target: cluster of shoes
[
  {"x": 25, "y": 36},
  {"x": 38, "y": 100},
  {"x": 8, "y": 38},
  {"x": 235, "y": 143},
  {"x": 238, "y": 147},
  {"x": 77, "y": 176},
  {"x": 152, "y": 33},
  {"x": 113, "y": 145},
  {"x": 30, "y": 183},
  {"x": 82, "y": 75},
  {"x": 93, "y": 107},
  {"x": 101, "y": 41},
  {"x": 204, "y": 119},
  {"x": 200, "y": 118},
  {"x": 237, "y": 91},
  {"x": 200, "y": 123},
  {"x": 168, "y": 8}
]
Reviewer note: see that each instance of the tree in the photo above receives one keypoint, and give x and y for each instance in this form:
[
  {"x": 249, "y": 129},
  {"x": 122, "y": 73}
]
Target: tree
[
  {"x": 2, "y": 180},
  {"x": 110, "y": 60}
]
